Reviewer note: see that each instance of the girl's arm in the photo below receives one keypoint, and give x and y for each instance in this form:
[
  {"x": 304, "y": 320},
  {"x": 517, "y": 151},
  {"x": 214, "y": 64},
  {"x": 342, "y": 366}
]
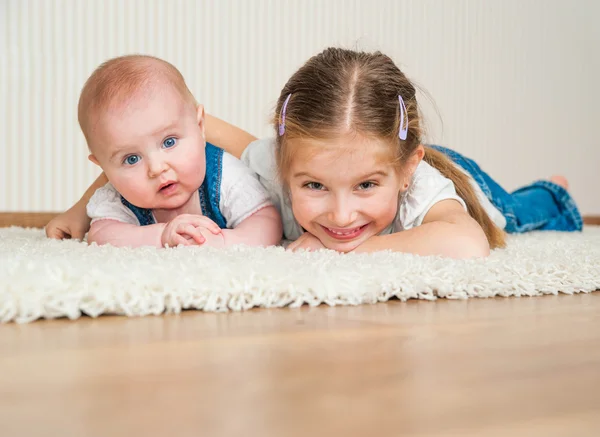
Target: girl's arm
[
  {"x": 74, "y": 223},
  {"x": 228, "y": 137},
  {"x": 447, "y": 230}
]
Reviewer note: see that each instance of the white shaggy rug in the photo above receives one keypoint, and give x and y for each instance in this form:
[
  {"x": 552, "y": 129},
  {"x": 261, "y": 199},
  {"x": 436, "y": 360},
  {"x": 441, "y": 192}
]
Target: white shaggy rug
[{"x": 42, "y": 278}]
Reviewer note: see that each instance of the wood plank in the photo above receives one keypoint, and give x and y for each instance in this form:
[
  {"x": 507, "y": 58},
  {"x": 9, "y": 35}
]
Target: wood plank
[{"x": 481, "y": 367}]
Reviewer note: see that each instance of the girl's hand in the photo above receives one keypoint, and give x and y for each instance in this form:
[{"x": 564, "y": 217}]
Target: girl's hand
[
  {"x": 73, "y": 223},
  {"x": 187, "y": 229},
  {"x": 307, "y": 241}
]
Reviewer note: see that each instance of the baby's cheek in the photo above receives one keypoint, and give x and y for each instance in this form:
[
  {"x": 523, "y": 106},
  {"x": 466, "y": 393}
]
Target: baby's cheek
[
  {"x": 194, "y": 162},
  {"x": 191, "y": 169},
  {"x": 131, "y": 186}
]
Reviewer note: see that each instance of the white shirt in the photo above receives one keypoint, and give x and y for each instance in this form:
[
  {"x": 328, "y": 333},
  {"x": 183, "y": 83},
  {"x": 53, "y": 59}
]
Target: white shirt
[
  {"x": 427, "y": 188},
  {"x": 241, "y": 196}
]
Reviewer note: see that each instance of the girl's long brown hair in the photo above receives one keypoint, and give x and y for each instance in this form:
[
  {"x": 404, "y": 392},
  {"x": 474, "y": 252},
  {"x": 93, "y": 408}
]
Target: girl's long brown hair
[{"x": 341, "y": 91}]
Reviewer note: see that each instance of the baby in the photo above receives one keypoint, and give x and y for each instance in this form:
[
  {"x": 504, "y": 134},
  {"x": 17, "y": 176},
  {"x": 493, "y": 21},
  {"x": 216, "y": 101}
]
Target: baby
[{"x": 167, "y": 185}]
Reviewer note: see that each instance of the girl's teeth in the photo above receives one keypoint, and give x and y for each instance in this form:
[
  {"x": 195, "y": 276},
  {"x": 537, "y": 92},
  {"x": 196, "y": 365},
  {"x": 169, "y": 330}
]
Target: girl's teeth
[{"x": 343, "y": 233}]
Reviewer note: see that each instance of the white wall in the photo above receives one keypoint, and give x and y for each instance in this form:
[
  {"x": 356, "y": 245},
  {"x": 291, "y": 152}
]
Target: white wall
[{"x": 516, "y": 82}]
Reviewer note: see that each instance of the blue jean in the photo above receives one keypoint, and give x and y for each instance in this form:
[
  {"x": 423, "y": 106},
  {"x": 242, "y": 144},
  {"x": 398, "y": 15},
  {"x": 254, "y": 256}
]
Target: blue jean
[{"x": 542, "y": 205}]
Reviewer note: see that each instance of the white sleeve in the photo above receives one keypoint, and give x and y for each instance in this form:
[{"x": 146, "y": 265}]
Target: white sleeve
[
  {"x": 106, "y": 204},
  {"x": 241, "y": 193},
  {"x": 259, "y": 156},
  {"x": 428, "y": 187}
]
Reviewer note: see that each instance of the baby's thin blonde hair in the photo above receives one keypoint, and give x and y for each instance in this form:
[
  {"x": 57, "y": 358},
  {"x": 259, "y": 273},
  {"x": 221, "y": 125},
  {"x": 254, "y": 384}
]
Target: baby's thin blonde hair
[
  {"x": 119, "y": 79},
  {"x": 340, "y": 91}
]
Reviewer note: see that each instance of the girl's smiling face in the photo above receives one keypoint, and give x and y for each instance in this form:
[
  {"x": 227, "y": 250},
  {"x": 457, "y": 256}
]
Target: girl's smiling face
[{"x": 343, "y": 191}]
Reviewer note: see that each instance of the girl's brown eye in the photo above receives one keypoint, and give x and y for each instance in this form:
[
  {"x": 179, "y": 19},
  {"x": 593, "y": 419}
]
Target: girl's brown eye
[
  {"x": 366, "y": 185},
  {"x": 314, "y": 186}
]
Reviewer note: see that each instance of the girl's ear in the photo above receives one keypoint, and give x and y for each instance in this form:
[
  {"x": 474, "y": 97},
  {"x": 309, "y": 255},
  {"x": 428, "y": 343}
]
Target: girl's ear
[
  {"x": 415, "y": 159},
  {"x": 412, "y": 163}
]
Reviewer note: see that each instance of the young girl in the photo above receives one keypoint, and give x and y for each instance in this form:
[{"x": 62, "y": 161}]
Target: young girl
[{"x": 348, "y": 170}]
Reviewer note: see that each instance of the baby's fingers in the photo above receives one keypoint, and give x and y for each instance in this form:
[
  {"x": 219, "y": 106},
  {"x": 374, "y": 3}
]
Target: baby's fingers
[
  {"x": 210, "y": 225},
  {"x": 192, "y": 232},
  {"x": 177, "y": 239}
]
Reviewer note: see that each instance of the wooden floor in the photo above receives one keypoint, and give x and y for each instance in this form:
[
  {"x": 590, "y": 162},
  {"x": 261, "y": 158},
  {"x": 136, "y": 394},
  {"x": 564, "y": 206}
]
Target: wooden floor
[{"x": 495, "y": 367}]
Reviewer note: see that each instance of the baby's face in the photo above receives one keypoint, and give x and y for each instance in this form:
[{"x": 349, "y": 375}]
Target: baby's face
[
  {"x": 152, "y": 149},
  {"x": 343, "y": 192}
]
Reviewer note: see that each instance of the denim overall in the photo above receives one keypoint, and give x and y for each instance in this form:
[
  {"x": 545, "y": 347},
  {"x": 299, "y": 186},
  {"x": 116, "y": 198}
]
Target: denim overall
[
  {"x": 209, "y": 191},
  {"x": 541, "y": 205}
]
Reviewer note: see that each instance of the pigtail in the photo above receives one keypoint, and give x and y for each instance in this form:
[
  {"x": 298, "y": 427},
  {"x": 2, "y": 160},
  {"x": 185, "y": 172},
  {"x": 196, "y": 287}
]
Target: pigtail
[{"x": 495, "y": 235}]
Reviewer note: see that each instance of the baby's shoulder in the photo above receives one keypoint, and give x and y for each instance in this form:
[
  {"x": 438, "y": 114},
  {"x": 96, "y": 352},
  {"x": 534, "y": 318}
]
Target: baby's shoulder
[
  {"x": 231, "y": 164},
  {"x": 106, "y": 202},
  {"x": 106, "y": 194}
]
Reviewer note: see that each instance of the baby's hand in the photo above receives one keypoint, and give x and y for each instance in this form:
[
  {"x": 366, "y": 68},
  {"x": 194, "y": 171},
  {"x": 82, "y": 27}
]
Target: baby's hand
[
  {"x": 306, "y": 241},
  {"x": 187, "y": 229},
  {"x": 212, "y": 239}
]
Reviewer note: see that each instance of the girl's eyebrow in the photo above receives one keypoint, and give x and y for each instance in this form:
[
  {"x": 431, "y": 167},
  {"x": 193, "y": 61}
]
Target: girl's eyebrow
[
  {"x": 375, "y": 173},
  {"x": 363, "y": 177},
  {"x": 302, "y": 174}
]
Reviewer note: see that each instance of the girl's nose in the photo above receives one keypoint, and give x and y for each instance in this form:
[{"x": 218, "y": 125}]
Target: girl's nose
[{"x": 343, "y": 214}]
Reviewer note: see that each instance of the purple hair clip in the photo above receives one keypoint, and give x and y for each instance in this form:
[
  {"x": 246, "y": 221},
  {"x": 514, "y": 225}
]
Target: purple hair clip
[
  {"x": 282, "y": 116},
  {"x": 403, "y": 131}
]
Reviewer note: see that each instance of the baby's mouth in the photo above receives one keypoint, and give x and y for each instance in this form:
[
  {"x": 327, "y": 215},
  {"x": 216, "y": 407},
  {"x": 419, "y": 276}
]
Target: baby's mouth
[{"x": 167, "y": 187}]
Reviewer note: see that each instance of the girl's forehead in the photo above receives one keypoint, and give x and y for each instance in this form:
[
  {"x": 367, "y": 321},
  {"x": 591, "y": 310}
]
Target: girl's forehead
[
  {"x": 349, "y": 161},
  {"x": 353, "y": 147}
]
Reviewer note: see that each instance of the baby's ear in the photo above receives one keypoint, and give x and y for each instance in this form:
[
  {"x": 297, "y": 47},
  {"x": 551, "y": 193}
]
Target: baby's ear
[
  {"x": 200, "y": 114},
  {"x": 94, "y": 160},
  {"x": 200, "y": 118}
]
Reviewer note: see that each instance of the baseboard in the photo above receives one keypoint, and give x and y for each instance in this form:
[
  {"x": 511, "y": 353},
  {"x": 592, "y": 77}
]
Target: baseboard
[
  {"x": 40, "y": 219},
  {"x": 592, "y": 220},
  {"x": 26, "y": 219}
]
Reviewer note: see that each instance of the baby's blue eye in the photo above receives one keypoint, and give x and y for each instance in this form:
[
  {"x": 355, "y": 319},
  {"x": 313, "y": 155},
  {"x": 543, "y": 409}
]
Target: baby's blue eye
[
  {"x": 169, "y": 142},
  {"x": 132, "y": 159}
]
